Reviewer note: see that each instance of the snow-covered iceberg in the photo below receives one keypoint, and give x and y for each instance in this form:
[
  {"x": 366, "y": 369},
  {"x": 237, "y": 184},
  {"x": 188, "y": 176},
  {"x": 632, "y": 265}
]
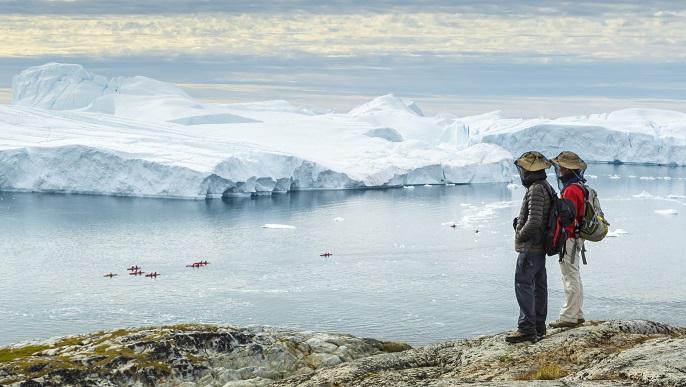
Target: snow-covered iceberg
[
  {"x": 635, "y": 136},
  {"x": 69, "y": 130}
]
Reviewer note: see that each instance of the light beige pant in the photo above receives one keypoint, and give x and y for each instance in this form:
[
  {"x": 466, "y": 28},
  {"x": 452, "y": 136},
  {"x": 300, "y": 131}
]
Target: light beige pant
[{"x": 571, "y": 281}]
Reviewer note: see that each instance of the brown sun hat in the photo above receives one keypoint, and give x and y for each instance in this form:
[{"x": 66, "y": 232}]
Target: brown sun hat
[
  {"x": 570, "y": 160},
  {"x": 533, "y": 161}
]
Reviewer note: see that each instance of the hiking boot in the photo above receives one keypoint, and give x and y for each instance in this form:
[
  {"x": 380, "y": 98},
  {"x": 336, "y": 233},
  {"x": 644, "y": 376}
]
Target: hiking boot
[
  {"x": 518, "y": 337},
  {"x": 562, "y": 324},
  {"x": 540, "y": 332},
  {"x": 580, "y": 321}
]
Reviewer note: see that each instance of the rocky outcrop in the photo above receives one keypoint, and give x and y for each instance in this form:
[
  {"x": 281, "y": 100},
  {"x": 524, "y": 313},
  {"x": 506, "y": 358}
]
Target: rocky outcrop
[
  {"x": 595, "y": 354},
  {"x": 181, "y": 355},
  {"x": 613, "y": 353}
]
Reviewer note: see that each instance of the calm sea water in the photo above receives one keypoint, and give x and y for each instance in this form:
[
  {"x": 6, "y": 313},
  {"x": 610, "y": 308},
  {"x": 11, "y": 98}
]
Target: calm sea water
[{"x": 398, "y": 271}]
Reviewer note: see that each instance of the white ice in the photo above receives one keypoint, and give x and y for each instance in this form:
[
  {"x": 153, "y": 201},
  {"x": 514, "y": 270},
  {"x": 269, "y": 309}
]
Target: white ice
[
  {"x": 70, "y": 130},
  {"x": 616, "y": 233},
  {"x": 644, "y": 195},
  {"x": 277, "y": 226}
]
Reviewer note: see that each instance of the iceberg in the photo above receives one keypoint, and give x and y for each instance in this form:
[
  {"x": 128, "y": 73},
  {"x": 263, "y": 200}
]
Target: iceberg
[
  {"x": 70, "y": 130},
  {"x": 631, "y": 136}
]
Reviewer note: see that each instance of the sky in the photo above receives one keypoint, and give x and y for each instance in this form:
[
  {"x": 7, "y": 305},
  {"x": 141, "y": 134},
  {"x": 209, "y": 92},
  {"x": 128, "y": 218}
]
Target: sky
[{"x": 465, "y": 57}]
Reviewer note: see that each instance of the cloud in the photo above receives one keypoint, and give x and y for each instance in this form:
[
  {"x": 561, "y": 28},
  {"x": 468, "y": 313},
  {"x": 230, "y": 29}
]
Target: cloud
[
  {"x": 355, "y": 50},
  {"x": 526, "y": 8},
  {"x": 543, "y": 39}
]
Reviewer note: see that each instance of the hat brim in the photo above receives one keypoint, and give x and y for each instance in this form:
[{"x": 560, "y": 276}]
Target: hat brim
[{"x": 570, "y": 165}]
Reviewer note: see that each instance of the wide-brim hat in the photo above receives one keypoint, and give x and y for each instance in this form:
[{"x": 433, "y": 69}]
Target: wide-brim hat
[
  {"x": 570, "y": 160},
  {"x": 533, "y": 161}
]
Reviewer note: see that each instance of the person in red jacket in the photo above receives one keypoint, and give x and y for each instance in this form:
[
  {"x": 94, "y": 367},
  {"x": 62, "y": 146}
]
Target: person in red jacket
[{"x": 570, "y": 170}]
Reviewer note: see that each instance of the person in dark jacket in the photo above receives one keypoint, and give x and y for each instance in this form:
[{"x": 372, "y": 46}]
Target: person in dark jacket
[
  {"x": 531, "y": 278},
  {"x": 570, "y": 169}
]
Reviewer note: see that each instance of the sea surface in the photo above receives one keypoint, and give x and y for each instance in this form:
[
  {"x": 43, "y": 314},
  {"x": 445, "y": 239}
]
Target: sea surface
[{"x": 397, "y": 270}]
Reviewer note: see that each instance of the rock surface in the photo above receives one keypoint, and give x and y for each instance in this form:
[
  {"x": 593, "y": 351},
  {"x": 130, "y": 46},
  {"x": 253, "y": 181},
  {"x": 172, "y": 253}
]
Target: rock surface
[
  {"x": 181, "y": 355},
  {"x": 613, "y": 353}
]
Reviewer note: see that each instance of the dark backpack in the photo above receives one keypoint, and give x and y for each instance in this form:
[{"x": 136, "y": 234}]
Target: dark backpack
[{"x": 562, "y": 214}]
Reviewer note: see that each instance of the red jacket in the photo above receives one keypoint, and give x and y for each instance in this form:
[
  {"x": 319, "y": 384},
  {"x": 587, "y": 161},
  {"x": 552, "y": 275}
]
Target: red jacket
[{"x": 576, "y": 194}]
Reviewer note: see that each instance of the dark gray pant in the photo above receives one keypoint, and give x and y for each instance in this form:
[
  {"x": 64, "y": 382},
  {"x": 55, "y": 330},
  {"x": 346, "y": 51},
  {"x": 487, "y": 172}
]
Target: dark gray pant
[{"x": 531, "y": 289}]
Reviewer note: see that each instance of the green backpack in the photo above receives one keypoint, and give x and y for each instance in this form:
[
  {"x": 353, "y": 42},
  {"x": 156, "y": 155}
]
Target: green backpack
[{"x": 593, "y": 225}]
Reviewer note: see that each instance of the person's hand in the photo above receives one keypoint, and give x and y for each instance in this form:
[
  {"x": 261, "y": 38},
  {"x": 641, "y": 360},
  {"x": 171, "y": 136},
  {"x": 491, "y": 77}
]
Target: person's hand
[{"x": 514, "y": 223}]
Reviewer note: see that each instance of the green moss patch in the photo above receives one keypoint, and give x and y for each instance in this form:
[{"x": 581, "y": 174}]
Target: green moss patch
[{"x": 9, "y": 354}]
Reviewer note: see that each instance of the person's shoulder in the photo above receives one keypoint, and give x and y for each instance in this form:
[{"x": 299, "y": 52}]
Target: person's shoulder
[
  {"x": 574, "y": 191},
  {"x": 542, "y": 184},
  {"x": 540, "y": 187},
  {"x": 578, "y": 187}
]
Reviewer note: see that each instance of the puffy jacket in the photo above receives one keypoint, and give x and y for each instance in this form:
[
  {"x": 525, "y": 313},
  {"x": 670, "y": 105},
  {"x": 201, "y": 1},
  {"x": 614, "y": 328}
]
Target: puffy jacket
[{"x": 533, "y": 217}]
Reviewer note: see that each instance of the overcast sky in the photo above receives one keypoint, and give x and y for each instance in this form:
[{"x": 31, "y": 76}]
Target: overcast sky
[{"x": 535, "y": 58}]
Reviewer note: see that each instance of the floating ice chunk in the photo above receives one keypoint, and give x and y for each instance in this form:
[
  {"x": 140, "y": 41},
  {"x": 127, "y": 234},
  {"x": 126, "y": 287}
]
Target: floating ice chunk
[
  {"x": 643, "y": 194},
  {"x": 272, "y": 225},
  {"x": 616, "y": 233},
  {"x": 676, "y": 196},
  {"x": 647, "y": 177},
  {"x": 591, "y": 176},
  {"x": 615, "y": 177},
  {"x": 338, "y": 219},
  {"x": 513, "y": 186},
  {"x": 670, "y": 211},
  {"x": 408, "y": 187}
]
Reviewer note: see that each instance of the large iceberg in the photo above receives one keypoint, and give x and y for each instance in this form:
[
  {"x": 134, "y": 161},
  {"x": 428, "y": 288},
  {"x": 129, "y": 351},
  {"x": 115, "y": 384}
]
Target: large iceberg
[{"x": 69, "y": 130}]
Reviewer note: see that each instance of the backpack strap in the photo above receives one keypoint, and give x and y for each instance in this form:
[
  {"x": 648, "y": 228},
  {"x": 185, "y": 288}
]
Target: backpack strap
[
  {"x": 583, "y": 251},
  {"x": 549, "y": 188},
  {"x": 577, "y": 228},
  {"x": 584, "y": 189}
]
